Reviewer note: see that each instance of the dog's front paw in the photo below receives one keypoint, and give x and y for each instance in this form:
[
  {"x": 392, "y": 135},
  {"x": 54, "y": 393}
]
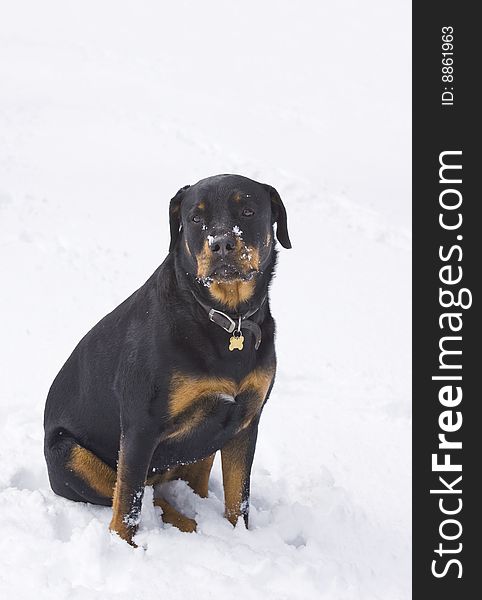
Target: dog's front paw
[{"x": 123, "y": 530}]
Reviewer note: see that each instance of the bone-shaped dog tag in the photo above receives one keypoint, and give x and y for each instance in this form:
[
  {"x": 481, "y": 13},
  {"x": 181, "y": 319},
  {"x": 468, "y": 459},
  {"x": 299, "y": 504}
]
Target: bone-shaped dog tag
[{"x": 236, "y": 342}]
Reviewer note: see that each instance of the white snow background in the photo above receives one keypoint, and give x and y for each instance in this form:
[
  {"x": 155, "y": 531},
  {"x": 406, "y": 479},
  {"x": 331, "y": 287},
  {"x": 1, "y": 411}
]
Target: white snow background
[{"x": 106, "y": 110}]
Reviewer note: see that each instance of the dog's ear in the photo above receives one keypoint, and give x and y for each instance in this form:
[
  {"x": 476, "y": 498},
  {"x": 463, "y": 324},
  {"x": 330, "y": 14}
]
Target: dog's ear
[
  {"x": 175, "y": 216},
  {"x": 278, "y": 211}
]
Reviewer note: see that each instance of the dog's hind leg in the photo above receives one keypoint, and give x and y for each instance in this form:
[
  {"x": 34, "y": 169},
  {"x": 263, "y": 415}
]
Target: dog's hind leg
[
  {"x": 77, "y": 473},
  {"x": 169, "y": 513},
  {"x": 174, "y": 517},
  {"x": 197, "y": 475}
]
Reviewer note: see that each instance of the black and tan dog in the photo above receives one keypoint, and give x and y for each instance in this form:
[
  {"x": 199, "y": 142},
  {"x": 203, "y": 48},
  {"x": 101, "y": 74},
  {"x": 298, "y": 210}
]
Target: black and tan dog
[{"x": 180, "y": 369}]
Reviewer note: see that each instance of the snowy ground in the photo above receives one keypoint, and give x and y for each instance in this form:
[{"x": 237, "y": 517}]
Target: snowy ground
[{"x": 106, "y": 109}]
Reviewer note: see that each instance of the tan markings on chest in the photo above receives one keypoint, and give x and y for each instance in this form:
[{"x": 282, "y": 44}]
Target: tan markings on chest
[
  {"x": 258, "y": 381},
  {"x": 255, "y": 385},
  {"x": 186, "y": 391}
]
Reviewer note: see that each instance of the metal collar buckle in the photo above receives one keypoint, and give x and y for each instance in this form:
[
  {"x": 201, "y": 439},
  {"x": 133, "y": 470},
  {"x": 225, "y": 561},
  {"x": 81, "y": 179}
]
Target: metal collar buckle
[{"x": 222, "y": 319}]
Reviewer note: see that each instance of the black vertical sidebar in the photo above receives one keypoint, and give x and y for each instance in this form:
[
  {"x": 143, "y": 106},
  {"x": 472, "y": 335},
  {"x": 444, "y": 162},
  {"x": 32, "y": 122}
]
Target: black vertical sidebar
[{"x": 454, "y": 128}]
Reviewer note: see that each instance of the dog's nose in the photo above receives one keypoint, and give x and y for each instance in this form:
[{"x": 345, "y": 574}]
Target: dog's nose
[{"x": 222, "y": 245}]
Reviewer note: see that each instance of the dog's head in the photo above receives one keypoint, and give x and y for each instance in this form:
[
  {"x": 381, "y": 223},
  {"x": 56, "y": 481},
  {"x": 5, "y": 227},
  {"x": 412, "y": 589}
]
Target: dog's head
[{"x": 222, "y": 230}]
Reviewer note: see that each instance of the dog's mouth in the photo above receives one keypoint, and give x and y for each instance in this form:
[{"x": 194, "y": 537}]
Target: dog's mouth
[
  {"x": 238, "y": 268},
  {"x": 225, "y": 273}
]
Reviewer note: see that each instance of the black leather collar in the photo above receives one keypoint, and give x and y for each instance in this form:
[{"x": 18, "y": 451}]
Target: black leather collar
[{"x": 236, "y": 322}]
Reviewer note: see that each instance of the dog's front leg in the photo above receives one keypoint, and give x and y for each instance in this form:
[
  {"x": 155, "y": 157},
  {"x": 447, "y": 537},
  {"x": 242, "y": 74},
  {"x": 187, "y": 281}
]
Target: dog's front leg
[
  {"x": 237, "y": 458},
  {"x": 135, "y": 454}
]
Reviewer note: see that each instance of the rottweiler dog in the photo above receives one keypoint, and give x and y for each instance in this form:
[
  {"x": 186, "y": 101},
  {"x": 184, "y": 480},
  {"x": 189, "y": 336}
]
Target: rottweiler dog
[{"x": 179, "y": 370}]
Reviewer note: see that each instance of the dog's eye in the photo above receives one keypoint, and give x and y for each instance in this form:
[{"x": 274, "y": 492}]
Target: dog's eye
[
  {"x": 196, "y": 219},
  {"x": 247, "y": 212}
]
